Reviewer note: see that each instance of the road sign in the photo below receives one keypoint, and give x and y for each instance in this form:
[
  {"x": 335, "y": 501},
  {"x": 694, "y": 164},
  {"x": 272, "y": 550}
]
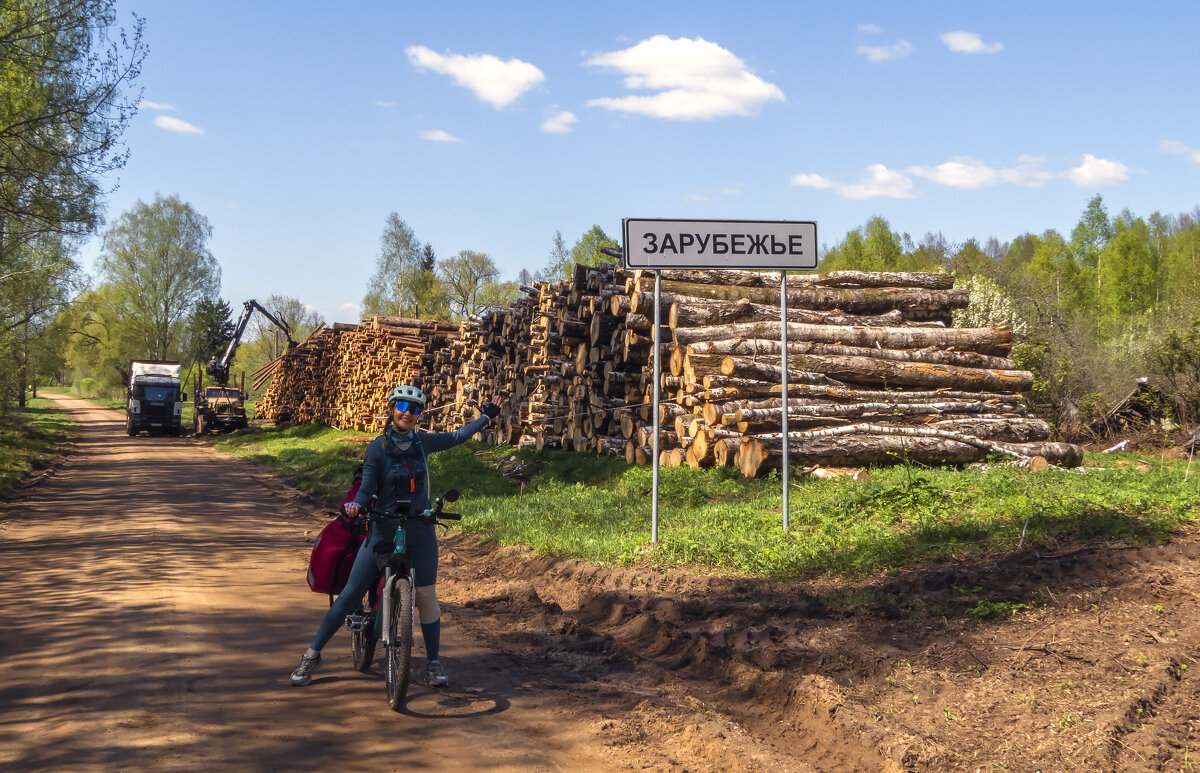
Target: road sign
[{"x": 771, "y": 245}]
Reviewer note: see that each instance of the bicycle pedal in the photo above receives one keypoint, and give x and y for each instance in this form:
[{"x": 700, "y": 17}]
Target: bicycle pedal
[{"x": 356, "y": 623}]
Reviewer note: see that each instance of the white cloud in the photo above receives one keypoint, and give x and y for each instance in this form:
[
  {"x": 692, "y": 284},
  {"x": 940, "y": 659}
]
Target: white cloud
[
  {"x": 155, "y": 105},
  {"x": 176, "y": 125},
  {"x": 1028, "y": 172},
  {"x": 967, "y": 173},
  {"x": 969, "y": 43},
  {"x": 437, "y": 135},
  {"x": 883, "y": 53},
  {"x": 384, "y": 103},
  {"x": 350, "y": 307},
  {"x": 870, "y": 29},
  {"x": 559, "y": 123},
  {"x": 695, "y": 80},
  {"x": 708, "y": 194},
  {"x": 1175, "y": 146},
  {"x": 878, "y": 182},
  {"x": 813, "y": 181},
  {"x": 496, "y": 82},
  {"x": 1097, "y": 172}
]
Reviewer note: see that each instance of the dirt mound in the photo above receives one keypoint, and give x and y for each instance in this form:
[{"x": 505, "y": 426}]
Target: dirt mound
[{"x": 1082, "y": 660}]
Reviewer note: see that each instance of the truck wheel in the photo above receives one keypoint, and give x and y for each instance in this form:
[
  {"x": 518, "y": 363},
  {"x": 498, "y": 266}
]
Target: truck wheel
[{"x": 129, "y": 428}]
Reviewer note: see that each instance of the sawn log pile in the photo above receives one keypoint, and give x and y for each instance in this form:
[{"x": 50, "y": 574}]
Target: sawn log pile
[{"x": 876, "y": 374}]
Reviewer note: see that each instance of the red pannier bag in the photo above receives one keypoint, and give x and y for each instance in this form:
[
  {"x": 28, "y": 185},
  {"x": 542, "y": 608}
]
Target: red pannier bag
[
  {"x": 336, "y": 546},
  {"x": 333, "y": 555}
]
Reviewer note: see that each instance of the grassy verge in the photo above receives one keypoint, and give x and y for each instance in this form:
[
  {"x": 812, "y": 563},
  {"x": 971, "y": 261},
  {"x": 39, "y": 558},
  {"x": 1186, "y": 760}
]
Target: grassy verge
[
  {"x": 30, "y": 439},
  {"x": 580, "y": 505}
]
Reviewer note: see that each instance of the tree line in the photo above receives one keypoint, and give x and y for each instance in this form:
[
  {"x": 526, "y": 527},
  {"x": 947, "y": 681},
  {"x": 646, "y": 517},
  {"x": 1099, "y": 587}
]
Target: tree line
[
  {"x": 410, "y": 281},
  {"x": 1117, "y": 298}
]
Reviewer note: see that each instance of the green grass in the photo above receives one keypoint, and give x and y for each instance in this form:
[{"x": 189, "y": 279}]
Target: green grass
[
  {"x": 598, "y": 509},
  {"x": 30, "y": 439}
]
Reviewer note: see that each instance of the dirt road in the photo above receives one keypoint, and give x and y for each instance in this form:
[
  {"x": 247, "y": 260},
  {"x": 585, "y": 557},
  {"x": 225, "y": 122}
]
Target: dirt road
[{"x": 152, "y": 604}]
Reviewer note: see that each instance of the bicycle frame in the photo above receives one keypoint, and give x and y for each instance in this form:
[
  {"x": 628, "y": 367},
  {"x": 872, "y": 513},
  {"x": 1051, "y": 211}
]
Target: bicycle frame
[{"x": 389, "y": 578}]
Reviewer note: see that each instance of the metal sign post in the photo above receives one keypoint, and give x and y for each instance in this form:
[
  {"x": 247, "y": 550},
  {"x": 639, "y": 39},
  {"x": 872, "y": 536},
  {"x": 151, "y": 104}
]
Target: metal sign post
[
  {"x": 784, "y": 385},
  {"x": 656, "y": 403},
  {"x": 762, "y": 245}
]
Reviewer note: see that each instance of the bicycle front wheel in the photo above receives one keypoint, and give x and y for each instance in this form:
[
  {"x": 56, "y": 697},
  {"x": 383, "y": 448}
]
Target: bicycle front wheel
[{"x": 400, "y": 639}]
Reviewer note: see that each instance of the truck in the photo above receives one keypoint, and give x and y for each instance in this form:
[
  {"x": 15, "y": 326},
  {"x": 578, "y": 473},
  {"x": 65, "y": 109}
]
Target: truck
[
  {"x": 220, "y": 406},
  {"x": 156, "y": 397}
]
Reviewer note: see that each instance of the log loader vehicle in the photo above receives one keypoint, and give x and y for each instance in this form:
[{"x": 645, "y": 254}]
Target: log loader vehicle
[{"x": 219, "y": 406}]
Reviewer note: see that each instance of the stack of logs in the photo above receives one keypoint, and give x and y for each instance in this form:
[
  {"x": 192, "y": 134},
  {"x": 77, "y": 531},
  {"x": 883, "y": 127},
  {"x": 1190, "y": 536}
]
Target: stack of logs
[
  {"x": 341, "y": 376},
  {"x": 876, "y": 375}
]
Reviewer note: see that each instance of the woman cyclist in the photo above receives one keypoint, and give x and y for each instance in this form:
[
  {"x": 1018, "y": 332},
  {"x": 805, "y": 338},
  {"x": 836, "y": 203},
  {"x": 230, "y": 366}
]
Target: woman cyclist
[{"x": 395, "y": 471}]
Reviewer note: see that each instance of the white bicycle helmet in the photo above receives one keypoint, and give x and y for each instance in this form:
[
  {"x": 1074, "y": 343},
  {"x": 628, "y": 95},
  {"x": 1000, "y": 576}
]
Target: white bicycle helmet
[{"x": 406, "y": 393}]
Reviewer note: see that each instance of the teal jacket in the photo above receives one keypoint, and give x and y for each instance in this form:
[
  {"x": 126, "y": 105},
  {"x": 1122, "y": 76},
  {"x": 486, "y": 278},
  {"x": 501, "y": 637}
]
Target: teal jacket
[{"x": 395, "y": 476}]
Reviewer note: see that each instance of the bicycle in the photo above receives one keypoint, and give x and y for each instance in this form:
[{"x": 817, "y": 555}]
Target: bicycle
[{"x": 388, "y": 609}]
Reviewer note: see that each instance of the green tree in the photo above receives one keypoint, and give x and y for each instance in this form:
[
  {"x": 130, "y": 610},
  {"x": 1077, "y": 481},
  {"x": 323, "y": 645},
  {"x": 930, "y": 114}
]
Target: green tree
[
  {"x": 40, "y": 281},
  {"x": 300, "y": 318},
  {"x": 497, "y": 295},
  {"x": 63, "y": 114},
  {"x": 210, "y": 328},
  {"x": 1179, "y": 267},
  {"x": 933, "y": 253},
  {"x": 970, "y": 260},
  {"x": 101, "y": 344},
  {"x": 586, "y": 251},
  {"x": 1127, "y": 273},
  {"x": 398, "y": 271},
  {"x": 1177, "y": 357},
  {"x": 428, "y": 293},
  {"x": 157, "y": 259},
  {"x": 559, "y": 262},
  {"x": 847, "y": 255},
  {"x": 465, "y": 275},
  {"x": 872, "y": 247},
  {"x": 1091, "y": 234}
]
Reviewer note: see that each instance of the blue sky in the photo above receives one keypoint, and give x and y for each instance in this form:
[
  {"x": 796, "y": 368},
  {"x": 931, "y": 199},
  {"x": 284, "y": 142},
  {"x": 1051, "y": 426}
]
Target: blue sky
[{"x": 296, "y": 127}]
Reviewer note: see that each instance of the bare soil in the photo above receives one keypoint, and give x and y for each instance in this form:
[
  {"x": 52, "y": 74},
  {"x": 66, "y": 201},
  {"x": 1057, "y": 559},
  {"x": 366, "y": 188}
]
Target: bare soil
[{"x": 152, "y": 603}]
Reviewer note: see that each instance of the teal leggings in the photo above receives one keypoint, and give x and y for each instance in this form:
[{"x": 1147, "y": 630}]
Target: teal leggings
[{"x": 422, "y": 548}]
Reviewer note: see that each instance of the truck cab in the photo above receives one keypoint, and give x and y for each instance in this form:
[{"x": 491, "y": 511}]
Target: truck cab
[{"x": 155, "y": 397}]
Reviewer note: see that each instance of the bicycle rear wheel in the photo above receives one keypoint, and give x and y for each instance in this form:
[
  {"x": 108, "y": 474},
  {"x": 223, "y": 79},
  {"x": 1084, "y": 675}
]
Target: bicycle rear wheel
[
  {"x": 363, "y": 641},
  {"x": 400, "y": 639}
]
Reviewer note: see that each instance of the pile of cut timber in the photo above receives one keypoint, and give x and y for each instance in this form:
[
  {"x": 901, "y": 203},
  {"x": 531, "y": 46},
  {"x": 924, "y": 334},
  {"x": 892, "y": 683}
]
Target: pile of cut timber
[
  {"x": 876, "y": 375},
  {"x": 341, "y": 376}
]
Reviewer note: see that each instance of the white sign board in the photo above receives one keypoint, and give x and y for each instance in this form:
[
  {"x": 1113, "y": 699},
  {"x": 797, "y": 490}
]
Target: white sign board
[{"x": 771, "y": 245}]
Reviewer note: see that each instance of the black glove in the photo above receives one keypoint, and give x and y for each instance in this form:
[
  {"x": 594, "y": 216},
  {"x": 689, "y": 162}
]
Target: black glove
[{"x": 490, "y": 409}]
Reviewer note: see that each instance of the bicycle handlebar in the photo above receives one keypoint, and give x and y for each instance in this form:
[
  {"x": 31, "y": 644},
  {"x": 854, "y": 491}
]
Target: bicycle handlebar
[{"x": 432, "y": 515}]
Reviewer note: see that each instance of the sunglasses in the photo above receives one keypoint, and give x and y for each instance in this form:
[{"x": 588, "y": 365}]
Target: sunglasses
[{"x": 406, "y": 407}]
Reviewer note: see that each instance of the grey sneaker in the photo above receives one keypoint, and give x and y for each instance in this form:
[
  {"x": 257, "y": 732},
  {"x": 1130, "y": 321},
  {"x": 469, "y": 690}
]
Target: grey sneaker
[
  {"x": 308, "y": 666},
  {"x": 437, "y": 675}
]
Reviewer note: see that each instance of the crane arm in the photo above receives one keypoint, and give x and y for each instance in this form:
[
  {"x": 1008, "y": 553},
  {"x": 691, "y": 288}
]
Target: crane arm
[{"x": 220, "y": 370}]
